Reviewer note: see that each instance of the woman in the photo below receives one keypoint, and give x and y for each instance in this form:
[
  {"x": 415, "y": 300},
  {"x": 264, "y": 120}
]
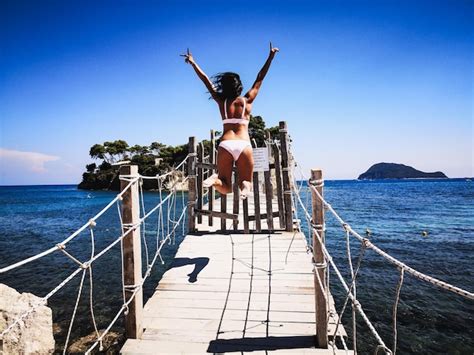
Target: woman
[{"x": 225, "y": 89}]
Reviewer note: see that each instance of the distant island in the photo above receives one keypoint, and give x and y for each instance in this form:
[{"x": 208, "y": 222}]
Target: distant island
[{"x": 398, "y": 171}]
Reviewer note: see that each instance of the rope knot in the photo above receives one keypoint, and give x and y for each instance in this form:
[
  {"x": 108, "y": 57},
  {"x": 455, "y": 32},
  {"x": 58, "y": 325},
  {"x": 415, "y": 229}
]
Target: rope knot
[
  {"x": 346, "y": 227},
  {"x": 86, "y": 265},
  {"x": 92, "y": 223},
  {"x": 316, "y": 182},
  {"x": 61, "y": 246}
]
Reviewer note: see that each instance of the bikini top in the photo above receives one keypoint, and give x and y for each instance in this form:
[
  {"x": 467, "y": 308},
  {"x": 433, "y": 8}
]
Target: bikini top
[{"x": 241, "y": 120}]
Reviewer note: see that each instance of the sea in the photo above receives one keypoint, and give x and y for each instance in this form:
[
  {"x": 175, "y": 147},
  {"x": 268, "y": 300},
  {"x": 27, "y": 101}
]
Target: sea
[{"x": 427, "y": 224}]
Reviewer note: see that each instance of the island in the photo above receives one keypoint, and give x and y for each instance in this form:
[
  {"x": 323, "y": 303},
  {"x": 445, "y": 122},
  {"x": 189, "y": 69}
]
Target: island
[
  {"x": 398, "y": 171},
  {"x": 153, "y": 159}
]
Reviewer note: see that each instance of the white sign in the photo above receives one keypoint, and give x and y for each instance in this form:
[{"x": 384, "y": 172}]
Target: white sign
[{"x": 260, "y": 159}]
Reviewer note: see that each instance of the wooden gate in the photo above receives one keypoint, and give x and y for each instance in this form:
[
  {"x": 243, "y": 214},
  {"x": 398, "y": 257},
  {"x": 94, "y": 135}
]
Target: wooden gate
[{"x": 200, "y": 167}]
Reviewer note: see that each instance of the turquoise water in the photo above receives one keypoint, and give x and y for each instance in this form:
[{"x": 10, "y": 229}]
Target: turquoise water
[{"x": 431, "y": 320}]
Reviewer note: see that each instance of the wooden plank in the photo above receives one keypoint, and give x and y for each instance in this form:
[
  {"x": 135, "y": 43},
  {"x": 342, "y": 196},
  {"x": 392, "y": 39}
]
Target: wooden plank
[
  {"x": 191, "y": 183},
  {"x": 245, "y": 205},
  {"x": 268, "y": 199},
  {"x": 279, "y": 186},
  {"x": 212, "y": 193},
  {"x": 235, "y": 207},
  {"x": 131, "y": 248},
  {"x": 318, "y": 218},
  {"x": 264, "y": 216},
  {"x": 217, "y": 214},
  {"x": 200, "y": 172},
  {"x": 222, "y": 284},
  {"x": 285, "y": 157},
  {"x": 256, "y": 198},
  {"x": 223, "y": 210}
]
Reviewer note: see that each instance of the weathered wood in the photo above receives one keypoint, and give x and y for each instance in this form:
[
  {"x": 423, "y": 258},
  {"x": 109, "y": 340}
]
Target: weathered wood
[
  {"x": 200, "y": 173},
  {"x": 285, "y": 160},
  {"x": 212, "y": 193},
  {"x": 191, "y": 183},
  {"x": 318, "y": 255},
  {"x": 217, "y": 214},
  {"x": 279, "y": 186},
  {"x": 223, "y": 210},
  {"x": 245, "y": 207},
  {"x": 268, "y": 198},
  {"x": 264, "y": 216},
  {"x": 235, "y": 208},
  {"x": 256, "y": 199},
  {"x": 132, "y": 255},
  {"x": 210, "y": 290}
]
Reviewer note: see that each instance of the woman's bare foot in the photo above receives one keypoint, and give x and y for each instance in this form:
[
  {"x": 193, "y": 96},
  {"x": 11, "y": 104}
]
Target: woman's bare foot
[
  {"x": 210, "y": 181},
  {"x": 245, "y": 188}
]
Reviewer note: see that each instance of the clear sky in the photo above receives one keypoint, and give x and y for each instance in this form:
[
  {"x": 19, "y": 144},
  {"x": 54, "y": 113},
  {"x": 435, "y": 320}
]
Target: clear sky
[{"x": 359, "y": 82}]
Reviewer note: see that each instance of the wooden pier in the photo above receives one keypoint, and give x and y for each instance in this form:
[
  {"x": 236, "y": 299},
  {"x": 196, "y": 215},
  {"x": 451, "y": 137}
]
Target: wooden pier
[{"x": 246, "y": 284}]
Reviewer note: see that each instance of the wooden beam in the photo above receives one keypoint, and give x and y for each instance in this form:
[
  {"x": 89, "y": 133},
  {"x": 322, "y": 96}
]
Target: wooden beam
[
  {"x": 264, "y": 216},
  {"x": 217, "y": 214},
  {"x": 200, "y": 173},
  {"x": 268, "y": 199},
  {"x": 256, "y": 201},
  {"x": 279, "y": 186},
  {"x": 223, "y": 210},
  {"x": 285, "y": 162},
  {"x": 191, "y": 183},
  {"x": 132, "y": 255},
  {"x": 318, "y": 256},
  {"x": 212, "y": 193},
  {"x": 268, "y": 189},
  {"x": 235, "y": 207},
  {"x": 245, "y": 206}
]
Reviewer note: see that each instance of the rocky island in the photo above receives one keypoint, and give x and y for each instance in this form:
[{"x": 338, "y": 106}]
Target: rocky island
[{"x": 398, "y": 171}]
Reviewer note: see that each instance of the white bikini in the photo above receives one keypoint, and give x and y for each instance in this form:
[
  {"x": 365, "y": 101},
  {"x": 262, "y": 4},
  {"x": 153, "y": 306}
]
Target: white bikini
[{"x": 235, "y": 146}]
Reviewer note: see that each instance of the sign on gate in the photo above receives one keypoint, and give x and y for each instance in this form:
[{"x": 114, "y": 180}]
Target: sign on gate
[{"x": 260, "y": 159}]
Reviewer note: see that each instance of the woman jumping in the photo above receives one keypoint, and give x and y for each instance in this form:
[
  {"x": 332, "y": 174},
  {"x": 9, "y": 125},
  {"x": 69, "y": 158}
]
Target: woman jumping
[{"x": 225, "y": 89}]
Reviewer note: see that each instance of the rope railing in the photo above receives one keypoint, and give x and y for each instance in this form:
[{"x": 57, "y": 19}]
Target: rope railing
[
  {"x": 391, "y": 259},
  {"x": 350, "y": 288},
  {"x": 167, "y": 224}
]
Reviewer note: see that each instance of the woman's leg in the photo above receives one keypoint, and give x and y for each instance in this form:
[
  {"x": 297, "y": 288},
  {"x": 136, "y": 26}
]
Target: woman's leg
[
  {"x": 245, "y": 171},
  {"x": 225, "y": 162}
]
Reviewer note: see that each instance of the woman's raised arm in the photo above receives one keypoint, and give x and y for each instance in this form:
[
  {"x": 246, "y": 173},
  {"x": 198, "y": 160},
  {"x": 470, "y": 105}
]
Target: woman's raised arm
[
  {"x": 188, "y": 58},
  {"x": 252, "y": 93}
]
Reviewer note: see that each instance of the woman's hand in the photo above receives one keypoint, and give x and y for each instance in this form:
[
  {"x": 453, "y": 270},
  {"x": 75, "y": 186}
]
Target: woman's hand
[
  {"x": 188, "y": 57},
  {"x": 273, "y": 50}
]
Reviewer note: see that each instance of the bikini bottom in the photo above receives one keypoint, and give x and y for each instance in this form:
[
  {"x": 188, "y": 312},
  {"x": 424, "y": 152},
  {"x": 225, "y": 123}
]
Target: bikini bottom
[{"x": 235, "y": 147}]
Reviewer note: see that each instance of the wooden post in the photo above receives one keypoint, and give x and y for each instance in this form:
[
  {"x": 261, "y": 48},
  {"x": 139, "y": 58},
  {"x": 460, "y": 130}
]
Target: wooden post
[
  {"x": 223, "y": 210},
  {"x": 245, "y": 206},
  {"x": 212, "y": 160},
  {"x": 256, "y": 201},
  {"x": 281, "y": 208},
  {"x": 132, "y": 254},
  {"x": 318, "y": 257},
  {"x": 235, "y": 209},
  {"x": 191, "y": 183},
  {"x": 200, "y": 172},
  {"x": 256, "y": 196},
  {"x": 285, "y": 162}
]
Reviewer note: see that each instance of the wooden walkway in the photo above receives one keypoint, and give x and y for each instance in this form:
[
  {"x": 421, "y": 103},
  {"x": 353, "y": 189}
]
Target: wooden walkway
[{"x": 234, "y": 292}]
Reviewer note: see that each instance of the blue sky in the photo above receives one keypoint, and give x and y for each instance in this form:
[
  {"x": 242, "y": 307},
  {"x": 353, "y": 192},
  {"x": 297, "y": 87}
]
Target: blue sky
[{"x": 359, "y": 82}]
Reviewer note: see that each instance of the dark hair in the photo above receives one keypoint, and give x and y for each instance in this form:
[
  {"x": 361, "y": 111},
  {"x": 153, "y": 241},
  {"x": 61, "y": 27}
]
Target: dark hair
[{"x": 227, "y": 85}]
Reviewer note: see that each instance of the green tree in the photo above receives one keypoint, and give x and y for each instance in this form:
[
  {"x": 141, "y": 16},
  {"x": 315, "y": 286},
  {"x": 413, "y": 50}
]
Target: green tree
[
  {"x": 91, "y": 167},
  {"x": 97, "y": 151},
  {"x": 156, "y": 147}
]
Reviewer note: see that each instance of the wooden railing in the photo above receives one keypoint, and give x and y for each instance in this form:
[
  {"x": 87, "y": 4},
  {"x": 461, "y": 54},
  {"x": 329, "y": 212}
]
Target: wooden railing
[{"x": 278, "y": 165}]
